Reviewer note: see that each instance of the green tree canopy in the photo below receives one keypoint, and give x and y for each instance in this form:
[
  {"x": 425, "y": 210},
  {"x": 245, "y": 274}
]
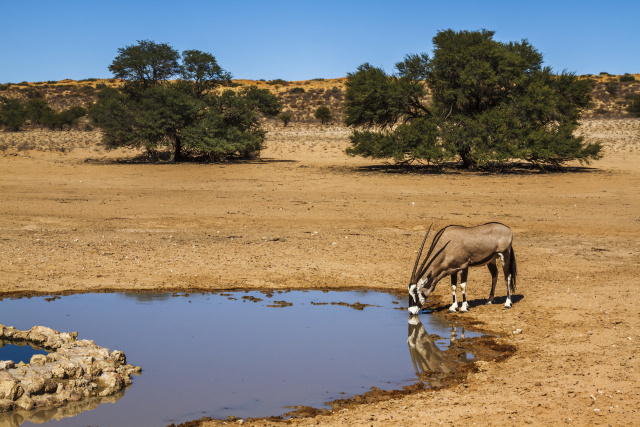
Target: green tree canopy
[
  {"x": 12, "y": 114},
  {"x": 286, "y": 118},
  {"x": 146, "y": 63},
  {"x": 475, "y": 99},
  {"x": 323, "y": 113},
  {"x": 187, "y": 117}
]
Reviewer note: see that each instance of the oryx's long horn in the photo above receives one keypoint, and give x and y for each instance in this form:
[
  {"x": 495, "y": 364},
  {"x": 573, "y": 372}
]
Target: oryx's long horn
[
  {"x": 415, "y": 267},
  {"x": 423, "y": 267},
  {"x": 434, "y": 242}
]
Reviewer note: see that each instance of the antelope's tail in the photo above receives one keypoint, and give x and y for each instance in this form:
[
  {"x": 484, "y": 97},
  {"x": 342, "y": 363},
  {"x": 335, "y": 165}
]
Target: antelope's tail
[{"x": 513, "y": 270}]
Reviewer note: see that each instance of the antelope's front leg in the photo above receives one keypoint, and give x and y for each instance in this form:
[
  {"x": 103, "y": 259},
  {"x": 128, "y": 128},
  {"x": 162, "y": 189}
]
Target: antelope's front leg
[
  {"x": 454, "y": 282},
  {"x": 421, "y": 298}
]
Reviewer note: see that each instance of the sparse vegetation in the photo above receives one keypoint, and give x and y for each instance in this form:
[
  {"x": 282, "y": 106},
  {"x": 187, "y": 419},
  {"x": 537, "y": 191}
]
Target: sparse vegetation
[
  {"x": 612, "y": 88},
  {"x": 627, "y": 78}
]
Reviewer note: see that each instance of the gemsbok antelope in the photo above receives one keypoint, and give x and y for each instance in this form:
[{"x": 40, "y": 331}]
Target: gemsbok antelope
[{"x": 456, "y": 248}]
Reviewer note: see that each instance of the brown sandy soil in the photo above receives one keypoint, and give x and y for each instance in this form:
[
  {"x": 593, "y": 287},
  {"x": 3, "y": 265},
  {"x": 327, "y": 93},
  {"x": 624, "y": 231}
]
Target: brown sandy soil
[{"x": 308, "y": 216}]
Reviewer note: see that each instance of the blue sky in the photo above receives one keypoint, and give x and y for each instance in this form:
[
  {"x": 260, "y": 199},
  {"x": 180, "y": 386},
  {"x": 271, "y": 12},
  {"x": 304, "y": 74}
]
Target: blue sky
[{"x": 300, "y": 40}]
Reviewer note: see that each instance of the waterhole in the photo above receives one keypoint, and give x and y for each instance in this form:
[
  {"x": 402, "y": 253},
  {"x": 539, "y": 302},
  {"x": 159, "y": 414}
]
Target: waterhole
[{"x": 243, "y": 354}]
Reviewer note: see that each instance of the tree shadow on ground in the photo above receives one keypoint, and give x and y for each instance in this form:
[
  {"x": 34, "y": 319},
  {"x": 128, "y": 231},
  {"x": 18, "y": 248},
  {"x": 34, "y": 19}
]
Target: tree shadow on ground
[
  {"x": 456, "y": 168},
  {"x": 144, "y": 160}
]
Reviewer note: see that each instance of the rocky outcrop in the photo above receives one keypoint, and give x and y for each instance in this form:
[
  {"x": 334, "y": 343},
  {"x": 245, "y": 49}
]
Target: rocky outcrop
[{"x": 73, "y": 370}]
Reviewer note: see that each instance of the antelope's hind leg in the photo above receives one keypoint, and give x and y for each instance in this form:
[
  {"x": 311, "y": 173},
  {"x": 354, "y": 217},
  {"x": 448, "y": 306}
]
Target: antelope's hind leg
[
  {"x": 506, "y": 267},
  {"x": 463, "y": 286},
  {"x": 454, "y": 283},
  {"x": 493, "y": 269}
]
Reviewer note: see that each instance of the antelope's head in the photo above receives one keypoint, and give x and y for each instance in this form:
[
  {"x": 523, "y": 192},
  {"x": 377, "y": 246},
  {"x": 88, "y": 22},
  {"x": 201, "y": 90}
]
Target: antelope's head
[
  {"x": 415, "y": 284},
  {"x": 422, "y": 277}
]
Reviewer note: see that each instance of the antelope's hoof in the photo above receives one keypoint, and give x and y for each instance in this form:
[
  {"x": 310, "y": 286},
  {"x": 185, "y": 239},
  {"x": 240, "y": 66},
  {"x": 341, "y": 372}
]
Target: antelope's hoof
[
  {"x": 488, "y": 302},
  {"x": 507, "y": 307},
  {"x": 465, "y": 310},
  {"x": 452, "y": 310},
  {"x": 414, "y": 310}
]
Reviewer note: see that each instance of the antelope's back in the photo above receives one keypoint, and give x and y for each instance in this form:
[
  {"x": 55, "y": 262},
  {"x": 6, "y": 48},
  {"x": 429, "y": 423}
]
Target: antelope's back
[{"x": 480, "y": 240}]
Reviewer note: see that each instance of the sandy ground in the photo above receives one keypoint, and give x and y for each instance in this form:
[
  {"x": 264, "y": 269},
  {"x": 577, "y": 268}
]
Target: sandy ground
[{"x": 307, "y": 216}]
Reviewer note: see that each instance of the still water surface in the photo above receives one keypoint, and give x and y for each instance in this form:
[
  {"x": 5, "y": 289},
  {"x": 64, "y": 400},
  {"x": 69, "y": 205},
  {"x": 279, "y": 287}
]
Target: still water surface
[{"x": 221, "y": 354}]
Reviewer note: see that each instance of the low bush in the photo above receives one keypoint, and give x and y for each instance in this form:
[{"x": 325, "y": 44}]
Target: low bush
[
  {"x": 286, "y": 118},
  {"x": 634, "y": 107},
  {"x": 12, "y": 115},
  {"x": 278, "y": 82},
  {"x": 627, "y": 78},
  {"x": 612, "y": 88}
]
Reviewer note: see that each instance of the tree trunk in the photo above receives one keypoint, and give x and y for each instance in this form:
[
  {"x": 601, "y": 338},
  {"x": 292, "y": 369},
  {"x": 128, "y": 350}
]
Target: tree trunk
[
  {"x": 177, "y": 150},
  {"x": 467, "y": 160}
]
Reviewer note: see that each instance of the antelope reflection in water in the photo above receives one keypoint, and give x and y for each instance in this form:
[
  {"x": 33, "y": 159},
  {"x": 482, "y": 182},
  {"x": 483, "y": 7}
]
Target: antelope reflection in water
[{"x": 427, "y": 358}]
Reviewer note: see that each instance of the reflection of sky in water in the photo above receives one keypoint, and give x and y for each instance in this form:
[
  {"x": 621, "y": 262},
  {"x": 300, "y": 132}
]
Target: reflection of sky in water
[
  {"x": 208, "y": 355},
  {"x": 18, "y": 353}
]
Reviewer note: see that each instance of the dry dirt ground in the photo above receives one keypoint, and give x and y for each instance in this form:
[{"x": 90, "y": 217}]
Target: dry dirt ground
[{"x": 307, "y": 216}]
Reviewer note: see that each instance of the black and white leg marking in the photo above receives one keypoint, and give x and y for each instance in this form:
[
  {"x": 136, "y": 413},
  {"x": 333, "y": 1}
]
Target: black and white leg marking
[
  {"x": 463, "y": 286},
  {"x": 454, "y": 282}
]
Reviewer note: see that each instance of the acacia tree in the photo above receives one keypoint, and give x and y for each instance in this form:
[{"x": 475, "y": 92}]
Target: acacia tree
[
  {"x": 286, "y": 118},
  {"x": 323, "y": 113},
  {"x": 476, "y": 99},
  {"x": 188, "y": 116}
]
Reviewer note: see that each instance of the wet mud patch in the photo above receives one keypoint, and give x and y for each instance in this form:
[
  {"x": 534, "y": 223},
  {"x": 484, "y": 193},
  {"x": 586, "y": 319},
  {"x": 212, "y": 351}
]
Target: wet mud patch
[{"x": 251, "y": 355}]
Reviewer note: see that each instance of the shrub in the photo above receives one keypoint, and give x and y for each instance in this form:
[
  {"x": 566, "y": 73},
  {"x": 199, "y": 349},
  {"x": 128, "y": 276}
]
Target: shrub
[
  {"x": 297, "y": 90},
  {"x": 612, "y": 88},
  {"x": 634, "y": 107},
  {"x": 323, "y": 113},
  {"x": 12, "y": 115},
  {"x": 627, "y": 78},
  {"x": 37, "y": 109},
  {"x": 286, "y": 118},
  {"x": 278, "y": 82}
]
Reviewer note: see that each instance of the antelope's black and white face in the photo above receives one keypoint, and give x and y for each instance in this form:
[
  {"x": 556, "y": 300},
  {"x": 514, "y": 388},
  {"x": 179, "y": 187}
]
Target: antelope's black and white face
[{"x": 414, "y": 299}]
